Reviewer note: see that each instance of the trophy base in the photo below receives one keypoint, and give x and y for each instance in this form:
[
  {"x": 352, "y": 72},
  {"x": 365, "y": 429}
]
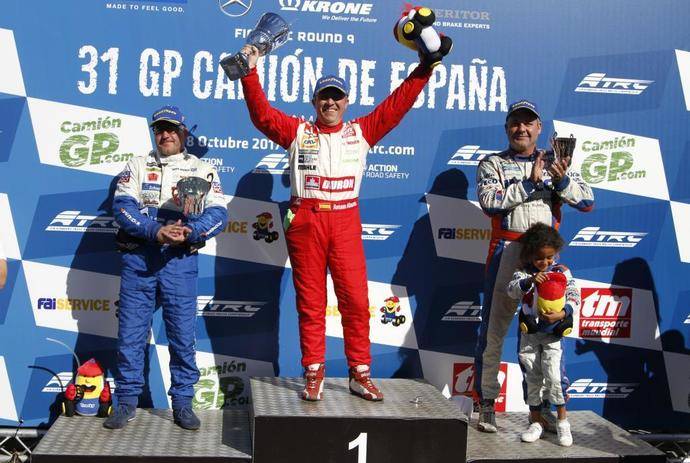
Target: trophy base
[{"x": 235, "y": 66}]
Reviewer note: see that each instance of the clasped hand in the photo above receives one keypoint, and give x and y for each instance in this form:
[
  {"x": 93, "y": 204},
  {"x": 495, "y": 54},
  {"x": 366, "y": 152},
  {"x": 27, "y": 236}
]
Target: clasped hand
[{"x": 174, "y": 234}]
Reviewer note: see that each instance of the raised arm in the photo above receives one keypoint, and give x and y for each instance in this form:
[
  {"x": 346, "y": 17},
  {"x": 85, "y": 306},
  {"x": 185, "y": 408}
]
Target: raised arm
[
  {"x": 275, "y": 124},
  {"x": 390, "y": 111}
]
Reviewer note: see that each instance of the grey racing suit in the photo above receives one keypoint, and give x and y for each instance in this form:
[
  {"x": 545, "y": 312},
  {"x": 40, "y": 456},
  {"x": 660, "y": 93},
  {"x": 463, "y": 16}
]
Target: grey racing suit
[{"x": 514, "y": 203}]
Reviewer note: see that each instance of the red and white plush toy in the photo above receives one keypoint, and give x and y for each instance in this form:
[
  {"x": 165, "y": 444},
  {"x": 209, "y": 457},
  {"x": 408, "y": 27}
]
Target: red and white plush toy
[{"x": 414, "y": 30}]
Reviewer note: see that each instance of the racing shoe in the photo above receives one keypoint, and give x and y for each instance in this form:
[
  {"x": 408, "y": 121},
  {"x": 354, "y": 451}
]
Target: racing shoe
[
  {"x": 361, "y": 385},
  {"x": 313, "y": 386},
  {"x": 487, "y": 416},
  {"x": 565, "y": 438},
  {"x": 532, "y": 433},
  {"x": 549, "y": 417},
  {"x": 122, "y": 415},
  {"x": 185, "y": 418}
]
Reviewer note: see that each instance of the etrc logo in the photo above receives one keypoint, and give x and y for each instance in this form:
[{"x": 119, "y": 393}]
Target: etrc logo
[
  {"x": 586, "y": 389},
  {"x": 606, "y": 313},
  {"x": 235, "y": 8},
  {"x": 377, "y": 232},
  {"x": 59, "y": 382},
  {"x": 463, "y": 311},
  {"x": 75, "y": 221},
  {"x": 275, "y": 163},
  {"x": 597, "y": 82},
  {"x": 592, "y": 236},
  {"x": 469, "y": 155},
  {"x": 209, "y": 307}
]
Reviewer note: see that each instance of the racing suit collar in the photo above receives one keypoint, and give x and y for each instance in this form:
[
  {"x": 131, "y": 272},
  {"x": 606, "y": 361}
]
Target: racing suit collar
[
  {"x": 329, "y": 128},
  {"x": 171, "y": 158},
  {"x": 520, "y": 156}
]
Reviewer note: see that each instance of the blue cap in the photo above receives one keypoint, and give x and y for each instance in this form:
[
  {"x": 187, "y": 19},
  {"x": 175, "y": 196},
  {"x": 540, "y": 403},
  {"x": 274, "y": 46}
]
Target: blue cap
[
  {"x": 330, "y": 81},
  {"x": 523, "y": 104},
  {"x": 170, "y": 114}
]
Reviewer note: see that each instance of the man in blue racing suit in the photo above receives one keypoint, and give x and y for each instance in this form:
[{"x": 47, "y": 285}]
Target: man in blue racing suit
[{"x": 159, "y": 264}]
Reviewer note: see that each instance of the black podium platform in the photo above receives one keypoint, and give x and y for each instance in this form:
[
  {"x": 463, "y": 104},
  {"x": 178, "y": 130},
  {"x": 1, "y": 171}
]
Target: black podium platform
[
  {"x": 151, "y": 436},
  {"x": 594, "y": 440},
  {"x": 414, "y": 424}
]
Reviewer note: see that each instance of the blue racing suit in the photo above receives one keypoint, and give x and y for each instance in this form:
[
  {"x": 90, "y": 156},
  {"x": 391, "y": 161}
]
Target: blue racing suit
[
  {"x": 514, "y": 204},
  {"x": 146, "y": 199}
]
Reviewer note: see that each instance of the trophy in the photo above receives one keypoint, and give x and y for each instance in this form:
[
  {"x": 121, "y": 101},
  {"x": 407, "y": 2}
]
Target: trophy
[
  {"x": 269, "y": 33},
  {"x": 561, "y": 148},
  {"x": 192, "y": 193}
]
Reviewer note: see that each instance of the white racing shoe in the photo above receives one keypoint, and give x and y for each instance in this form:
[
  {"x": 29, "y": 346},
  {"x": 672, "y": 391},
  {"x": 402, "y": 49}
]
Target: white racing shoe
[
  {"x": 565, "y": 438},
  {"x": 533, "y": 433}
]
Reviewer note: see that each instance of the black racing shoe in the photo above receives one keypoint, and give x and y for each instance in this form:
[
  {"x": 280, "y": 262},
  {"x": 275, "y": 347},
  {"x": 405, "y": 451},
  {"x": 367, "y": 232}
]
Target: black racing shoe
[
  {"x": 185, "y": 418},
  {"x": 487, "y": 416},
  {"x": 122, "y": 415}
]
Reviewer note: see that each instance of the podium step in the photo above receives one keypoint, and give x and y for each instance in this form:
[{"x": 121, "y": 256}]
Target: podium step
[
  {"x": 594, "y": 440},
  {"x": 152, "y": 435},
  {"x": 414, "y": 423}
]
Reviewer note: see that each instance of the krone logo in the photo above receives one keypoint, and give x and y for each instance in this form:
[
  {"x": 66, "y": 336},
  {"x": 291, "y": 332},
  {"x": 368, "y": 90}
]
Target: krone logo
[{"x": 289, "y": 5}]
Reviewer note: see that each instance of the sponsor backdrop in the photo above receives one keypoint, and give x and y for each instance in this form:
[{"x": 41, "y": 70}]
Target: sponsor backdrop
[{"x": 74, "y": 99}]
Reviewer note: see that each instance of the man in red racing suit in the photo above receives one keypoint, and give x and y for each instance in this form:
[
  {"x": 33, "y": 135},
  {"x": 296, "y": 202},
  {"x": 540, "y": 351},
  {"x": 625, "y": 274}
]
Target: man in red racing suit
[{"x": 322, "y": 226}]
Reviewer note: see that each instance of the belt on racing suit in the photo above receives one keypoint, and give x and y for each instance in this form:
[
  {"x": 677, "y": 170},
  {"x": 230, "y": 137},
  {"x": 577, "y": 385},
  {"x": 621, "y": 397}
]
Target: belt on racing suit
[{"x": 320, "y": 205}]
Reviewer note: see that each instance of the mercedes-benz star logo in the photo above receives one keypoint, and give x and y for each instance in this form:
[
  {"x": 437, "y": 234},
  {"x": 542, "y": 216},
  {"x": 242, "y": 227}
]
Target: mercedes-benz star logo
[{"x": 235, "y": 8}]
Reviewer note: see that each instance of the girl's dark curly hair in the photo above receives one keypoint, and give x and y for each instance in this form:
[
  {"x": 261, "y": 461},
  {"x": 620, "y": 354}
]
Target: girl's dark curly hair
[{"x": 536, "y": 237}]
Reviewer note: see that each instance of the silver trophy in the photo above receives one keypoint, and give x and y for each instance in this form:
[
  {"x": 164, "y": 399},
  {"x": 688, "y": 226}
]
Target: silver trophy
[
  {"x": 192, "y": 193},
  {"x": 561, "y": 148},
  {"x": 269, "y": 33}
]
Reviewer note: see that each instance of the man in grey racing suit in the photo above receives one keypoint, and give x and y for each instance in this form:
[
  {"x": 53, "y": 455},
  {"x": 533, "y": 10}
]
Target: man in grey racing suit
[{"x": 516, "y": 188}]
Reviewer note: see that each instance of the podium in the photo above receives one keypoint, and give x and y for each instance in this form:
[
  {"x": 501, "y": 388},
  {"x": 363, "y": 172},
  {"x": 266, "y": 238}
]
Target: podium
[
  {"x": 151, "y": 436},
  {"x": 414, "y": 423}
]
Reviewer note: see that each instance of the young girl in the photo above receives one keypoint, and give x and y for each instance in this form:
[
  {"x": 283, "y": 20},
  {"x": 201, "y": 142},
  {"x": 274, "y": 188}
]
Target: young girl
[{"x": 544, "y": 319}]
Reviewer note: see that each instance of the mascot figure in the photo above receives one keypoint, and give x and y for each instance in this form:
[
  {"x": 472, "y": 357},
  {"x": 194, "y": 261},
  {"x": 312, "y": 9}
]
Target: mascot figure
[
  {"x": 550, "y": 298},
  {"x": 414, "y": 30},
  {"x": 89, "y": 395}
]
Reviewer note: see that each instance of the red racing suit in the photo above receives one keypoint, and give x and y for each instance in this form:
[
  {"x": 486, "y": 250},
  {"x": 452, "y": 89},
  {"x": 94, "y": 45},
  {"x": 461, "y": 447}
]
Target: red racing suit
[{"x": 323, "y": 227}]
